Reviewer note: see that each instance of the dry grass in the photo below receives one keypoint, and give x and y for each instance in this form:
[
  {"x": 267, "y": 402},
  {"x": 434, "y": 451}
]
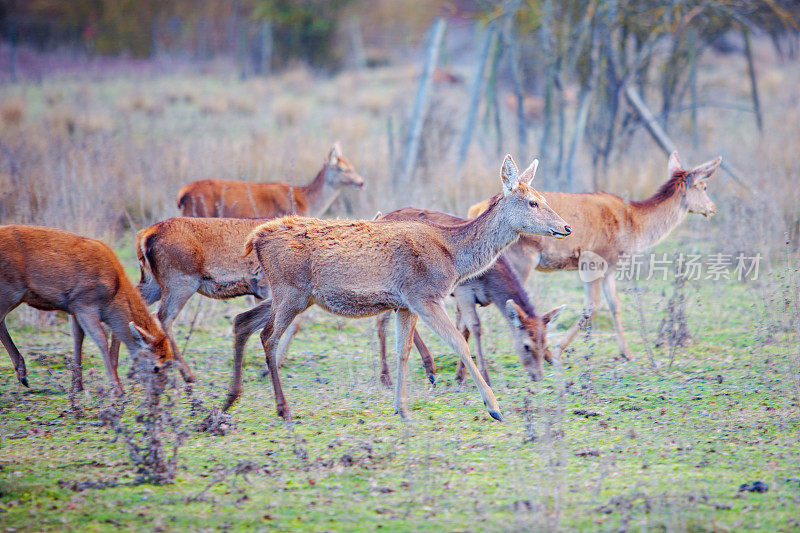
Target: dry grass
[{"x": 12, "y": 111}]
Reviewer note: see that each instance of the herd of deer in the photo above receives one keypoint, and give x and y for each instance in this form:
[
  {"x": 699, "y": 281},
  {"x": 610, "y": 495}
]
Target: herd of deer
[{"x": 407, "y": 261}]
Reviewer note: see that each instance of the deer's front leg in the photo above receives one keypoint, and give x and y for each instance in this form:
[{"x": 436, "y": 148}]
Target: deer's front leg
[
  {"x": 592, "y": 300},
  {"x": 77, "y": 355},
  {"x": 382, "y": 321},
  {"x": 610, "y": 292},
  {"x": 435, "y": 317}
]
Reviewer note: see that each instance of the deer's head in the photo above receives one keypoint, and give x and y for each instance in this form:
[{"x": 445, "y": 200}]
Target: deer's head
[
  {"x": 525, "y": 209},
  {"x": 339, "y": 172},
  {"x": 530, "y": 337},
  {"x": 696, "y": 197},
  {"x": 155, "y": 347}
]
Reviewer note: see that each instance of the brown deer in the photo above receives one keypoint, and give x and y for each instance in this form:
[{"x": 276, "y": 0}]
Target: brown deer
[
  {"x": 362, "y": 268},
  {"x": 498, "y": 285},
  {"x": 181, "y": 256},
  {"x": 243, "y": 199},
  {"x": 50, "y": 270},
  {"x": 609, "y": 226}
]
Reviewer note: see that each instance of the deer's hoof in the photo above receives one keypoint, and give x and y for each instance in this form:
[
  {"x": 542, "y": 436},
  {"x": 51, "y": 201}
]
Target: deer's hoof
[
  {"x": 432, "y": 379},
  {"x": 496, "y": 415},
  {"x": 24, "y": 381}
]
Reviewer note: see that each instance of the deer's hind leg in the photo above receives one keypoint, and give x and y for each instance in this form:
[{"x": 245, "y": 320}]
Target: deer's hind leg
[
  {"x": 11, "y": 348},
  {"x": 405, "y": 322},
  {"x": 434, "y": 315},
  {"x": 285, "y": 307},
  {"x": 244, "y": 325}
]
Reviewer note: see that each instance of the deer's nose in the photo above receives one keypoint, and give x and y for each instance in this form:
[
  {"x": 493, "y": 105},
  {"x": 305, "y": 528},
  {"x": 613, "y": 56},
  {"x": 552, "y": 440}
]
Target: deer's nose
[{"x": 567, "y": 230}]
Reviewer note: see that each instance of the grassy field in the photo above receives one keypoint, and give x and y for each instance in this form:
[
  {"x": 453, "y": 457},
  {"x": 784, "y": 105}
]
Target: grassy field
[{"x": 600, "y": 444}]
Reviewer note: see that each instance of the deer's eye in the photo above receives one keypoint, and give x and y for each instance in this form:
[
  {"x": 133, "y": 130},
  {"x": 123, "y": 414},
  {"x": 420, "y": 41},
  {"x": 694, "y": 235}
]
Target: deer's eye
[
  {"x": 528, "y": 348},
  {"x": 533, "y": 204}
]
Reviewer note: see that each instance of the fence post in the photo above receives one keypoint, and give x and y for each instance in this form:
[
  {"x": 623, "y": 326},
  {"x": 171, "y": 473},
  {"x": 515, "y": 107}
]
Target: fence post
[
  {"x": 475, "y": 90},
  {"x": 421, "y": 100}
]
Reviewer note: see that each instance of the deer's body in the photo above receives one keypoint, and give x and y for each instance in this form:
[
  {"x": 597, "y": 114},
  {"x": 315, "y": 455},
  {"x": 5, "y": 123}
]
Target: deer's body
[
  {"x": 609, "y": 226},
  {"x": 362, "y": 268},
  {"x": 243, "y": 199},
  {"x": 50, "y": 270},
  {"x": 498, "y": 285}
]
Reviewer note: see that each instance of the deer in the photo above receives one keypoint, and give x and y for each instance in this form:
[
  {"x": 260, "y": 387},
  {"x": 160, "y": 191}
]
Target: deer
[
  {"x": 362, "y": 268},
  {"x": 243, "y": 199},
  {"x": 53, "y": 270},
  {"x": 184, "y": 255},
  {"x": 610, "y": 226},
  {"x": 498, "y": 285}
]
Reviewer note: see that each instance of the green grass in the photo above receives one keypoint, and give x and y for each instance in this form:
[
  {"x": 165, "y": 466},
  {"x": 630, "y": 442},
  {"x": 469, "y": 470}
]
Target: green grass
[{"x": 661, "y": 449}]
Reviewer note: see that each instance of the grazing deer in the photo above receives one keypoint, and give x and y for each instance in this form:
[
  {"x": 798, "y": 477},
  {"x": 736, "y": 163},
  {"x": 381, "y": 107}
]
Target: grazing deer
[
  {"x": 363, "y": 268},
  {"x": 498, "y": 285},
  {"x": 51, "y": 270},
  {"x": 609, "y": 226},
  {"x": 242, "y": 199}
]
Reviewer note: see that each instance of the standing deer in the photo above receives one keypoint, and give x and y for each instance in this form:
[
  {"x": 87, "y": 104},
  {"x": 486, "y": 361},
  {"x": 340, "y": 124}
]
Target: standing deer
[
  {"x": 50, "y": 270},
  {"x": 362, "y": 268},
  {"x": 183, "y": 255},
  {"x": 242, "y": 199},
  {"x": 498, "y": 285},
  {"x": 610, "y": 227}
]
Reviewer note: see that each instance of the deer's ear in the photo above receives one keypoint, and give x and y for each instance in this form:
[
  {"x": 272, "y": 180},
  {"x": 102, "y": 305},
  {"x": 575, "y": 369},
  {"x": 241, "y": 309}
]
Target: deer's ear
[
  {"x": 509, "y": 175},
  {"x": 515, "y": 313},
  {"x": 141, "y": 336},
  {"x": 529, "y": 173},
  {"x": 704, "y": 171},
  {"x": 552, "y": 315},
  {"x": 674, "y": 164},
  {"x": 333, "y": 155}
]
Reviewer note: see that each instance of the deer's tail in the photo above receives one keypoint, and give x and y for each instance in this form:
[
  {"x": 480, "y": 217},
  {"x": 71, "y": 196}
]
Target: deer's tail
[{"x": 148, "y": 284}]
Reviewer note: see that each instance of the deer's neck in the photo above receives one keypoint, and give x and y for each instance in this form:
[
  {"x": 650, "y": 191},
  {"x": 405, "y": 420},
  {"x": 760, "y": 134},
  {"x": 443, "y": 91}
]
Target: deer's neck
[
  {"x": 504, "y": 285},
  {"x": 476, "y": 244},
  {"x": 654, "y": 218},
  {"x": 318, "y": 194}
]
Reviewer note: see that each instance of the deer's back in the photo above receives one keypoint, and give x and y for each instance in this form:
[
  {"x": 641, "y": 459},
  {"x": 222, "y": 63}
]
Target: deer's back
[
  {"x": 52, "y": 269},
  {"x": 239, "y": 199},
  {"x": 200, "y": 248},
  {"x": 376, "y": 264}
]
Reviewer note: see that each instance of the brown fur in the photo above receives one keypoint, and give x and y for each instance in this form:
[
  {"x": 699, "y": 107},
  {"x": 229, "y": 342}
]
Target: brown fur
[
  {"x": 50, "y": 270},
  {"x": 243, "y": 199},
  {"x": 362, "y": 268},
  {"x": 610, "y": 226},
  {"x": 498, "y": 285}
]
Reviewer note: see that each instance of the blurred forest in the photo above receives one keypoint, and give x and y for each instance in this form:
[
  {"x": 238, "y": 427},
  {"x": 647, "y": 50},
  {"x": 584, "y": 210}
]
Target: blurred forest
[{"x": 590, "y": 56}]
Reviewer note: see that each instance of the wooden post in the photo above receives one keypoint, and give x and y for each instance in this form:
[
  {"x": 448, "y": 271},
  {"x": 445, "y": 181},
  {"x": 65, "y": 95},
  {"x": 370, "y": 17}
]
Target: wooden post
[
  {"x": 421, "y": 100},
  {"x": 12, "y": 42},
  {"x": 748, "y": 52},
  {"x": 475, "y": 89},
  {"x": 264, "y": 65},
  {"x": 664, "y": 141},
  {"x": 513, "y": 64}
]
